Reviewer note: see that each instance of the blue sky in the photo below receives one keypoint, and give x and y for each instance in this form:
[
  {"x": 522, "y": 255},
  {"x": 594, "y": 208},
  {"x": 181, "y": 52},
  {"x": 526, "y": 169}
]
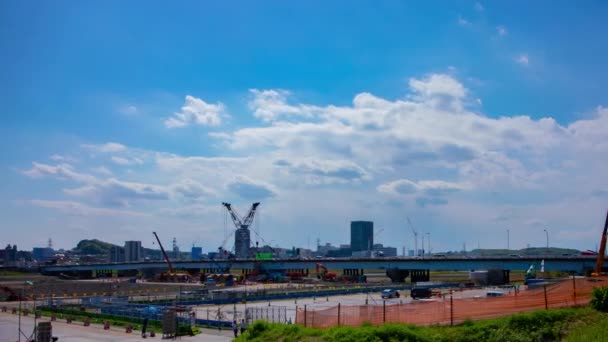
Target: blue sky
[{"x": 469, "y": 117}]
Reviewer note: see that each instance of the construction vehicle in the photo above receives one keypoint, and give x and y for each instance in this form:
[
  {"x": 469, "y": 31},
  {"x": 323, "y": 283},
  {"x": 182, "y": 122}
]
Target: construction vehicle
[
  {"x": 599, "y": 265},
  {"x": 172, "y": 275},
  {"x": 324, "y": 274}
]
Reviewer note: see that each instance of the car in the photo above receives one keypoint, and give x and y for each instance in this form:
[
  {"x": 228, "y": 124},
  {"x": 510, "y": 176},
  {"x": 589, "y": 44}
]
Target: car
[
  {"x": 421, "y": 292},
  {"x": 389, "y": 293}
]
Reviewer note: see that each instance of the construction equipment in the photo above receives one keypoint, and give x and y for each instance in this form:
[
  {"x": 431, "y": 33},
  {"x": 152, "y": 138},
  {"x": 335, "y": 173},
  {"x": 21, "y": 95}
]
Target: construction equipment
[
  {"x": 242, "y": 235},
  {"x": 324, "y": 274},
  {"x": 599, "y": 265},
  {"x": 172, "y": 275},
  {"x": 415, "y": 236}
]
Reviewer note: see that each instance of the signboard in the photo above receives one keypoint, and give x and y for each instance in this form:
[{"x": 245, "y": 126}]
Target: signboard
[{"x": 263, "y": 256}]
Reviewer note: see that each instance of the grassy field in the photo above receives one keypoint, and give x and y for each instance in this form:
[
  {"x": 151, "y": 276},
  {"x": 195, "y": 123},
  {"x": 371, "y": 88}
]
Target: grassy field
[{"x": 574, "y": 324}]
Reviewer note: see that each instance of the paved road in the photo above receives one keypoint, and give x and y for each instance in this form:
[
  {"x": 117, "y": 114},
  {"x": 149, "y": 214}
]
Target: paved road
[{"x": 94, "y": 333}]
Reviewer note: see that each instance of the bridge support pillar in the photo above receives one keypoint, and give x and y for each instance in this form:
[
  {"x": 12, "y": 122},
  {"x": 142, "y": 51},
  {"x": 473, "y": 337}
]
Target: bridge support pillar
[{"x": 396, "y": 275}]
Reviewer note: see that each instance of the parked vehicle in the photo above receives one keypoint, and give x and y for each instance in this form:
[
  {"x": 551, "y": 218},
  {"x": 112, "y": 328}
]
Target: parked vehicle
[
  {"x": 421, "y": 292},
  {"x": 389, "y": 293}
]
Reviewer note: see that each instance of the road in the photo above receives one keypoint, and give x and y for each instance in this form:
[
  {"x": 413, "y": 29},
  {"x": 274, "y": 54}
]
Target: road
[{"x": 75, "y": 332}]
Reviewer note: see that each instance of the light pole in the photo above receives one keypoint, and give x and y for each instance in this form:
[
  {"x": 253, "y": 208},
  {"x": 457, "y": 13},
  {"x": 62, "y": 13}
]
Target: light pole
[
  {"x": 429, "y": 242},
  {"x": 547, "y": 235},
  {"x": 508, "y": 247}
]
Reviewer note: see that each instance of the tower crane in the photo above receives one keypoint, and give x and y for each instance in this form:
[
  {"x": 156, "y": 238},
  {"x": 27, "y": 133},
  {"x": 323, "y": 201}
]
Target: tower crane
[{"x": 409, "y": 222}]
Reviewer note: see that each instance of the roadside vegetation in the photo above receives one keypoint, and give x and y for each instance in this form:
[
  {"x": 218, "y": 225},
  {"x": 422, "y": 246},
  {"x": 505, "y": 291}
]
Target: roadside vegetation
[{"x": 572, "y": 324}]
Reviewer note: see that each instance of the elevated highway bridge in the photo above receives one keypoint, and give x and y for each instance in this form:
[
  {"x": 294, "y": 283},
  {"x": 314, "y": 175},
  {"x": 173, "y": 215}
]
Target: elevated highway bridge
[{"x": 417, "y": 267}]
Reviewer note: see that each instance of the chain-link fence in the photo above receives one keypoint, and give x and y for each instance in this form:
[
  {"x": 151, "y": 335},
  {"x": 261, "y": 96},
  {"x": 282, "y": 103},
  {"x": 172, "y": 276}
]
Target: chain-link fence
[{"x": 450, "y": 310}]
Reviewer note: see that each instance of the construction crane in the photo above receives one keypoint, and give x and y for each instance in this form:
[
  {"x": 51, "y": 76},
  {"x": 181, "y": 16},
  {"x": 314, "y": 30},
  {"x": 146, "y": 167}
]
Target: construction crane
[
  {"x": 238, "y": 223},
  {"x": 599, "y": 265},
  {"x": 172, "y": 275},
  {"x": 236, "y": 219},
  {"x": 409, "y": 222}
]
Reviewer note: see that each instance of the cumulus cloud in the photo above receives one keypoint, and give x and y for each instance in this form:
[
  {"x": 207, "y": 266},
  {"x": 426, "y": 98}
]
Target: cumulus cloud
[
  {"x": 324, "y": 171},
  {"x": 195, "y": 111},
  {"x": 271, "y": 104},
  {"x": 250, "y": 189},
  {"x": 438, "y": 84}
]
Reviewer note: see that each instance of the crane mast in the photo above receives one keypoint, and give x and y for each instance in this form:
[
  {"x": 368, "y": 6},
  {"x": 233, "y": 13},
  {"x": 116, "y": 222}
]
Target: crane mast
[{"x": 164, "y": 254}]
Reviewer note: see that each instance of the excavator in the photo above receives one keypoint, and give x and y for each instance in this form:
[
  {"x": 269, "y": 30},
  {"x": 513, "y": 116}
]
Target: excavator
[
  {"x": 324, "y": 274},
  {"x": 599, "y": 265},
  {"x": 172, "y": 276}
]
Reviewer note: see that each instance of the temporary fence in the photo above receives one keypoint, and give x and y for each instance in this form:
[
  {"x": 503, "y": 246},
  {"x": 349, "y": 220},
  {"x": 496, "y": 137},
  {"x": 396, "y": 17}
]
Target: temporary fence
[
  {"x": 275, "y": 314},
  {"x": 451, "y": 309}
]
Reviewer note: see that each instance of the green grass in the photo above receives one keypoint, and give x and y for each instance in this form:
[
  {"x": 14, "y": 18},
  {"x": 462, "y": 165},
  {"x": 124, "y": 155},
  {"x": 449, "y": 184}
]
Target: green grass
[{"x": 574, "y": 324}]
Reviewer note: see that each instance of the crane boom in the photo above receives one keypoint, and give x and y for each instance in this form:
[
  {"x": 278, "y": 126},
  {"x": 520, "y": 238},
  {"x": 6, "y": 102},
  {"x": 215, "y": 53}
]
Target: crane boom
[
  {"x": 249, "y": 218},
  {"x": 415, "y": 236},
  {"x": 164, "y": 254},
  {"x": 235, "y": 217},
  {"x": 602, "y": 252}
]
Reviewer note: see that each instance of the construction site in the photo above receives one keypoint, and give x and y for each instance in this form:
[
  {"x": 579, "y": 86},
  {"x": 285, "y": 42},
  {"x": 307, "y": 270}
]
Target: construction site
[{"x": 177, "y": 301}]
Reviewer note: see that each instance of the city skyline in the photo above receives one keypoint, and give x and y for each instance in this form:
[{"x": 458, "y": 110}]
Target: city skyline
[{"x": 484, "y": 124}]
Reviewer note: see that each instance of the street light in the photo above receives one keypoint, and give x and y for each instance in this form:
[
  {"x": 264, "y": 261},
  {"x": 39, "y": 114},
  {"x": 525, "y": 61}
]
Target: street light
[
  {"x": 508, "y": 247},
  {"x": 547, "y": 234},
  {"x": 429, "y": 242}
]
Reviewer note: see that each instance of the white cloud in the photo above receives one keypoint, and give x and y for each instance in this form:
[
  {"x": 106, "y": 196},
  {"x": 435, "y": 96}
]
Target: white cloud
[
  {"x": 129, "y": 110},
  {"x": 429, "y": 153},
  {"x": 463, "y": 22},
  {"x": 60, "y": 171},
  {"x": 79, "y": 209},
  {"x": 251, "y": 189},
  {"x": 438, "y": 84},
  {"x": 126, "y": 161},
  {"x": 116, "y": 193},
  {"x": 196, "y": 112},
  {"x": 269, "y": 105},
  {"x": 478, "y": 7},
  {"x": 102, "y": 170},
  {"x": 502, "y": 30},
  {"x": 109, "y": 147},
  {"x": 523, "y": 59}
]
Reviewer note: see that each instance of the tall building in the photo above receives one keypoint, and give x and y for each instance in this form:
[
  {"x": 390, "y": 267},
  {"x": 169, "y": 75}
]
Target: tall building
[
  {"x": 242, "y": 242},
  {"x": 197, "y": 253},
  {"x": 133, "y": 251},
  {"x": 117, "y": 254},
  {"x": 361, "y": 235}
]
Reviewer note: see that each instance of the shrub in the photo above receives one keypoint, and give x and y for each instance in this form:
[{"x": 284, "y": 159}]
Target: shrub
[{"x": 599, "y": 299}]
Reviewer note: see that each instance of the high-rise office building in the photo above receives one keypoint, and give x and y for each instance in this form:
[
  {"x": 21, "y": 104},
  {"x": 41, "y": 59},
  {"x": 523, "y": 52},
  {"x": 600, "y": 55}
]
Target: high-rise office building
[
  {"x": 117, "y": 254},
  {"x": 361, "y": 236},
  {"x": 196, "y": 253},
  {"x": 133, "y": 251}
]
